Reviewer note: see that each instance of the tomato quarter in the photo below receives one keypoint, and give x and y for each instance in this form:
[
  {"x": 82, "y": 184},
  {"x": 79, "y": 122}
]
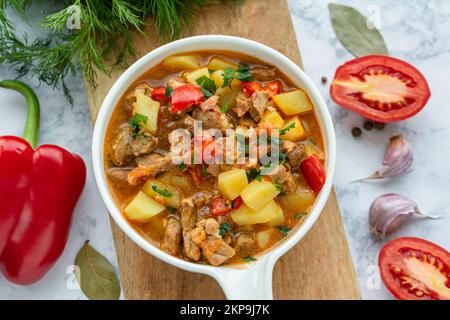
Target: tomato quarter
[
  {"x": 380, "y": 88},
  {"x": 415, "y": 269}
]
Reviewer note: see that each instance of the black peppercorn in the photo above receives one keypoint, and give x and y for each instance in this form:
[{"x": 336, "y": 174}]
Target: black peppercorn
[{"x": 356, "y": 132}]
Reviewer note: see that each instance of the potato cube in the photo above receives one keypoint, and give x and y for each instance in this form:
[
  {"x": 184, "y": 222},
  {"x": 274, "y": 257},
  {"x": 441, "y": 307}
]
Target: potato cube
[
  {"x": 263, "y": 237},
  {"x": 218, "y": 63},
  {"x": 217, "y": 76},
  {"x": 147, "y": 107},
  {"x": 162, "y": 192},
  {"x": 257, "y": 194},
  {"x": 231, "y": 183},
  {"x": 299, "y": 202},
  {"x": 271, "y": 120},
  {"x": 296, "y": 132},
  {"x": 279, "y": 217},
  {"x": 142, "y": 208},
  {"x": 246, "y": 216},
  {"x": 227, "y": 96},
  {"x": 182, "y": 62},
  {"x": 192, "y": 76},
  {"x": 293, "y": 102}
]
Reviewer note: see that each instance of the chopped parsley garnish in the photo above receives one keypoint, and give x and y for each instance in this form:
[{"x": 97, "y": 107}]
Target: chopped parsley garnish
[
  {"x": 289, "y": 127},
  {"x": 249, "y": 259},
  {"x": 204, "y": 170},
  {"x": 137, "y": 122},
  {"x": 242, "y": 74},
  {"x": 208, "y": 86},
  {"x": 181, "y": 166},
  {"x": 224, "y": 228},
  {"x": 299, "y": 215},
  {"x": 283, "y": 157},
  {"x": 165, "y": 193},
  {"x": 171, "y": 209},
  {"x": 169, "y": 91},
  {"x": 224, "y": 108},
  {"x": 284, "y": 230},
  {"x": 254, "y": 174},
  {"x": 277, "y": 186}
]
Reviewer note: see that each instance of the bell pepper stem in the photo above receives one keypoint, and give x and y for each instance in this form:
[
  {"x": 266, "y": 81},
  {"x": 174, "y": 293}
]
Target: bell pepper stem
[{"x": 31, "y": 131}]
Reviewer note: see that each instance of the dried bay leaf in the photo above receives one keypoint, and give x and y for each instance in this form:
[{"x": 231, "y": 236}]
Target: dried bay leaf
[
  {"x": 352, "y": 30},
  {"x": 96, "y": 275}
]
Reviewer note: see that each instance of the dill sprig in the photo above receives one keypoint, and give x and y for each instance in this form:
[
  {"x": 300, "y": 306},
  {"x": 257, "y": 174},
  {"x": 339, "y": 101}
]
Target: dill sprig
[{"x": 103, "y": 40}]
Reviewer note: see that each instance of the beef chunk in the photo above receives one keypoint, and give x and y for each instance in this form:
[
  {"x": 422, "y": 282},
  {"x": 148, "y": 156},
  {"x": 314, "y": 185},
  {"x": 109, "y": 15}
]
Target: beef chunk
[
  {"x": 211, "y": 226},
  {"x": 245, "y": 242},
  {"x": 294, "y": 152},
  {"x": 118, "y": 175},
  {"x": 210, "y": 104},
  {"x": 264, "y": 73},
  {"x": 284, "y": 177},
  {"x": 144, "y": 144},
  {"x": 172, "y": 236},
  {"x": 260, "y": 100},
  {"x": 199, "y": 199},
  {"x": 188, "y": 221},
  {"x": 243, "y": 104},
  {"x": 120, "y": 151},
  {"x": 213, "y": 119},
  {"x": 217, "y": 251},
  {"x": 149, "y": 166}
]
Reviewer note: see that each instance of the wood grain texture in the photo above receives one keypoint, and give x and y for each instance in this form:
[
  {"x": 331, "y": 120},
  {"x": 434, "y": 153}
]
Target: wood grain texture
[{"x": 320, "y": 266}]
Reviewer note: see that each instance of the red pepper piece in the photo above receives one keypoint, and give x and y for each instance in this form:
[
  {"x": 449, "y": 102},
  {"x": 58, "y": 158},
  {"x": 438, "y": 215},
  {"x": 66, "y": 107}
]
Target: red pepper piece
[
  {"x": 314, "y": 173},
  {"x": 249, "y": 87},
  {"x": 220, "y": 206},
  {"x": 237, "y": 203},
  {"x": 272, "y": 88},
  {"x": 185, "y": 96},
  {"x": 159, "y": 94},
  {"x": 38, "y": 192}
]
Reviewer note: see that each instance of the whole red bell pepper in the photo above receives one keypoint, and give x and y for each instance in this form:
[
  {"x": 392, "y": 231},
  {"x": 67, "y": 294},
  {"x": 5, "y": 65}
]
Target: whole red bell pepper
[{"x": 39, "y": 189}]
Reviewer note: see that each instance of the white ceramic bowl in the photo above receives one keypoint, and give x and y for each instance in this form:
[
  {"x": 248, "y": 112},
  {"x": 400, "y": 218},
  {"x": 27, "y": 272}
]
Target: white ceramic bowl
[{"x": 254, "y": 281}]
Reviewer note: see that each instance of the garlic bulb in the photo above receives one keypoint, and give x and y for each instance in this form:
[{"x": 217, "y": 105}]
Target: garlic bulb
[
  {"x": 397, "y": 160},
  {"x": 390, "y": 211}
]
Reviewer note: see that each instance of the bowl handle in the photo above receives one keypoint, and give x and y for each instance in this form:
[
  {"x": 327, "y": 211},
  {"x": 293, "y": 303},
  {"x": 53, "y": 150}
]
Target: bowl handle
[{"x": 254, "y": 283}]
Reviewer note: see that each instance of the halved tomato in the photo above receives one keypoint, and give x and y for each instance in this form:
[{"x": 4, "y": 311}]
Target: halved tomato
[
  {"x": 415, "y": 269},
  {"x": 380, "y": 88}
]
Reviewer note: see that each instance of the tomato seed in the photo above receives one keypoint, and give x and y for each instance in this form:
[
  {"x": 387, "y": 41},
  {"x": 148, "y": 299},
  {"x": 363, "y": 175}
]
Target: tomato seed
[{"x": 356, "y": 132}]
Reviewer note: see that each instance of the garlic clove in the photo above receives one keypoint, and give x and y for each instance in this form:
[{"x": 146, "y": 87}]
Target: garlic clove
[
  {"x": 397, "y": 159},
  {"x": 390, "y": 211}
]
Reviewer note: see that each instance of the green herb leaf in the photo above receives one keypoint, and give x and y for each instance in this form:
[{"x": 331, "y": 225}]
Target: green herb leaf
[
  {"x": 137, "y": 122},
  {"x": 181, "y": 166},
  {"x": 277, "y": 186},
  {"x": 208, "y": 86},
  {"x": 165, "y": 193},
  {"x": 299, "y": 215},
  {"x": 242, "y": 74},
  {"x": 289, "y": 127},
  {"x": 204, "y": 170},
  {"x": 171, "y": 209},
  {"x": 352, "y": 30},
  {"x": 249, "y": 259},
  {"x": 254, "y": 174},
  {"x": 227, "y": 76},
  {"x": 169, "y": 91},
  {"x": 224, "y": 108},
  {"x": 284, "y": 230},
  {"x": 224, "y": 228},
  {"x": 96, "y": 275}
]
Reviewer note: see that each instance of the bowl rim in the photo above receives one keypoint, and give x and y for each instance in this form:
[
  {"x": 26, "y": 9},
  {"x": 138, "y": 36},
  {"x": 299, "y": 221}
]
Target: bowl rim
[{"x": 205, "y": 42}]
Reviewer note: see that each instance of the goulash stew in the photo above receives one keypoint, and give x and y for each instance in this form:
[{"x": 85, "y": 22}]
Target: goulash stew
[{"x": 207, "y": 207}]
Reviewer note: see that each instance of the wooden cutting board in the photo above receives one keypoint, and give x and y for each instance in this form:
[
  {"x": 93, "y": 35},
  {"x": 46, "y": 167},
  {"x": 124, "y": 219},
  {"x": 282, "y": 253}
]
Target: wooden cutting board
[{"x": 319, "y": 266}]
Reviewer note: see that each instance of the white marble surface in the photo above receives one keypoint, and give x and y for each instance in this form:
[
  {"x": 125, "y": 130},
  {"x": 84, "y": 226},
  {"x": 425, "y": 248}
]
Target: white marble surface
[{"x": 417, "y": 31}]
